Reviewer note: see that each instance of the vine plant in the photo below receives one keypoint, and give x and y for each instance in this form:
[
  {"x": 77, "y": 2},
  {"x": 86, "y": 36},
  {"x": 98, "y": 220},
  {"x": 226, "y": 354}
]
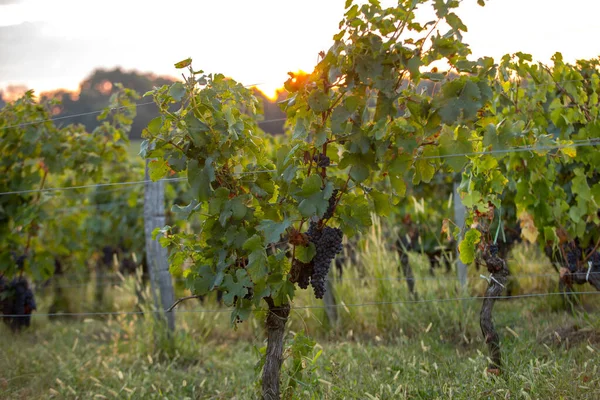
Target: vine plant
[
  {"x": 36, "y": 154},
  {"x": 549, "y": 115},
  {"x": 358, "y": 117},
  {"x": 536, "y": 139}
]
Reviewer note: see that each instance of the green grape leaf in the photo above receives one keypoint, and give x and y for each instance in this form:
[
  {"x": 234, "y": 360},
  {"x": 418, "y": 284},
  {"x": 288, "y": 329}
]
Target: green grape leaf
[
  {"x": 257, "y": 265},
  {"x": 200, "y": 179},
  {"x": 467, "y": 246},
  {"x": 317, "y": 203},
  {"x": 424, "y": 171},
  {"x": 177, "y": 91},
  {"x": 382, "y": 203},
  {"x": 359, "y": 172},
  {"x": 305, "y": 253},
  {"x": 238, "y": 208},
  {"x": 455, "y": 22},
  {"x": 154, "y": 126},
  {"x": 237, "y": 287},
  {"x": 460, "y": 99},
  {"x": 284, "y": 291},
  {"x": 272, "y": 229},
  {"x": 398, "y": 185},
  {"x": 185, "y": 212},
  {"x": 242, "y": 310},
  {"x": 318, "y": 101},
  {"x": 311, "y": 185},
  {"x": 202, "y": 282},
  {"x": 158, "y": 169},
  {"x": 197, "y": 130},
  {"x": 254, "y": 243}
]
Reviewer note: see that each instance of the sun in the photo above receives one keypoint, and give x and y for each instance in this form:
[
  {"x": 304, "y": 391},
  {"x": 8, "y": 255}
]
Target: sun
[
  {"x": 271, "y": 92},
  {"x": 274, "y": 92}
]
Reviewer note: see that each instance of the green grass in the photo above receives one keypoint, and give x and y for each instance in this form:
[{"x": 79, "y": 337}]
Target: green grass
[
  {"x": 395, "y": 350},
  {"x": 118, "y": 358}
]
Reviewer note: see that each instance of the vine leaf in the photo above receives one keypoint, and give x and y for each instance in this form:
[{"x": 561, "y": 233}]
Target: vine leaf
[
  {"x": 359, "y": 173},
  {"x": 158, "y": 169},
  {"x": 528, "y": 229},
  {"x": 305, "y": 253},
  {"x": 461, "y": 98},
  {"x": 203, "y": 281},
  {"x": 318, "y": 101},
  {"x": 317, "y": 203},
  {"x": 466, "y": 248},
  {"x": 197, "y": 130},
  {"x": 185, "y": 212},
  {"x": 235, "y": 288},
  {"x": 272, "y": 229},
  {"x": 200, "y": 179},
  {"x": 177, "y": 91},
  {"x": 184, "y": 63},
  {"x": 311, "y": 185},
  {"x": 257, "y": 259}
]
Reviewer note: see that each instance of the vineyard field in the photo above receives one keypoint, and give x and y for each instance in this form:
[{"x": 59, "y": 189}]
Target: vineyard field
[{"x": 417, "y": 351}]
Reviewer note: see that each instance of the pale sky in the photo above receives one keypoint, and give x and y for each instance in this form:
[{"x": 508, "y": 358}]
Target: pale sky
[{"x": 50, "y": 44}]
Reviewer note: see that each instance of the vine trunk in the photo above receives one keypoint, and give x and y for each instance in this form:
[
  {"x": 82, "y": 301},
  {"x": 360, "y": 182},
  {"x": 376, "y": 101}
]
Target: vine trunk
[
  {"x": 275, "y": 327},
  {"x": 497, "y": 284}
]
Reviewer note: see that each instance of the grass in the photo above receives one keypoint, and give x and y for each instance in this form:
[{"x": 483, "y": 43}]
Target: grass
[
  {"x": 395, "y": 350},
  {"x": 118, "y": 358}
]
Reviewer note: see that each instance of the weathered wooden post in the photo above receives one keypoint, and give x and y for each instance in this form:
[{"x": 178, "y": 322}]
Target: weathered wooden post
[{"x": 156, "y": 255}]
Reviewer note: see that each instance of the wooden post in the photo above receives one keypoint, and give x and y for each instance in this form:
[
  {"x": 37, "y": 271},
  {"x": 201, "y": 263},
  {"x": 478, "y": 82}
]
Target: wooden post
[
  {"x": 156, "y": 255},
  {"x": 459, "y": 219}
]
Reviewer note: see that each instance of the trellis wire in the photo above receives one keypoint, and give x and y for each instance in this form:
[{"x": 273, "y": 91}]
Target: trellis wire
[
  {"x": 590, "y": 142},
  {"x": 106, "y": 282},
  {"x": 534, "y": 85},
  {"x": 309, "y": 307}
]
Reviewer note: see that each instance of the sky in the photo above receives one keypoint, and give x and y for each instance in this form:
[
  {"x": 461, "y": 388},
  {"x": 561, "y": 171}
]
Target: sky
[{"x": 51, "y": 44}]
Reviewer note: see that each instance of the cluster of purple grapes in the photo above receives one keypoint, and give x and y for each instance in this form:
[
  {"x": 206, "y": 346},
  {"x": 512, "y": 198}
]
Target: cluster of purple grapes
[
  {"x": 322, "y": 160},
  {"x": 330, "y": 207},
  {"x": 573, "y": 255},
  {"x": 493, "y": 249},
  {"x": 595, "y": 259},
  {"x": 17, "y": 300},
  {"x": 305, "y": 272},
  {"x": 328, "y": 243}
]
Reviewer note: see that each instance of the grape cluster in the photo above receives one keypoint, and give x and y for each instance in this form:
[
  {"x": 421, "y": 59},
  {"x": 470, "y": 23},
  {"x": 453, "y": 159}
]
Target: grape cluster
[
  {"x": 21, "y": 261},
  {"x": 328, "y": 243},
  {"x": 329, "y": 213},
  {"x": 304, "y": 272},
  {"x": 322, "y": 160},
  {"x": 17, "y": 299},
  {"x": 595, "y": 259},
  {"x": 572, "y": 257},
  {"x": 493, "y": 249}
]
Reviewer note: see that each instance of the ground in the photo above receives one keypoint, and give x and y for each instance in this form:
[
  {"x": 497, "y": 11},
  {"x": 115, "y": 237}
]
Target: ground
[{"x": 384, "y": 345}]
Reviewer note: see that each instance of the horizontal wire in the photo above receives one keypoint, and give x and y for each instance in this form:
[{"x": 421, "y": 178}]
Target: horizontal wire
[
  {"x": 308, "y": 307},
  {"x": 73, "y": 116},
  {"x": 118, "y": 281},
  {"x": 101, "y": 111},
  {"x": 590, "y": 142},
  {"x": 246, "y": 86},
  {"x": 92, "y": 185}
]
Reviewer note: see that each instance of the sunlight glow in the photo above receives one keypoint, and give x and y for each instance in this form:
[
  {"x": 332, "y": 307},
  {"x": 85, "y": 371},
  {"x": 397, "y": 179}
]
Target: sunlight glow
[{"x": 253, "y": 42}]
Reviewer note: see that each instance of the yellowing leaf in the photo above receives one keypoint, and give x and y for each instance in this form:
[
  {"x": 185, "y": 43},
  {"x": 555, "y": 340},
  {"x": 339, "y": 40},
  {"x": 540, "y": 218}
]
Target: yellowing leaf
[
  {"x": 183, "y": 63},
  {"x": 528, "y": 229},
  {"x": 446, "y": 228},
  {"x": 570, "y": 151}
]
